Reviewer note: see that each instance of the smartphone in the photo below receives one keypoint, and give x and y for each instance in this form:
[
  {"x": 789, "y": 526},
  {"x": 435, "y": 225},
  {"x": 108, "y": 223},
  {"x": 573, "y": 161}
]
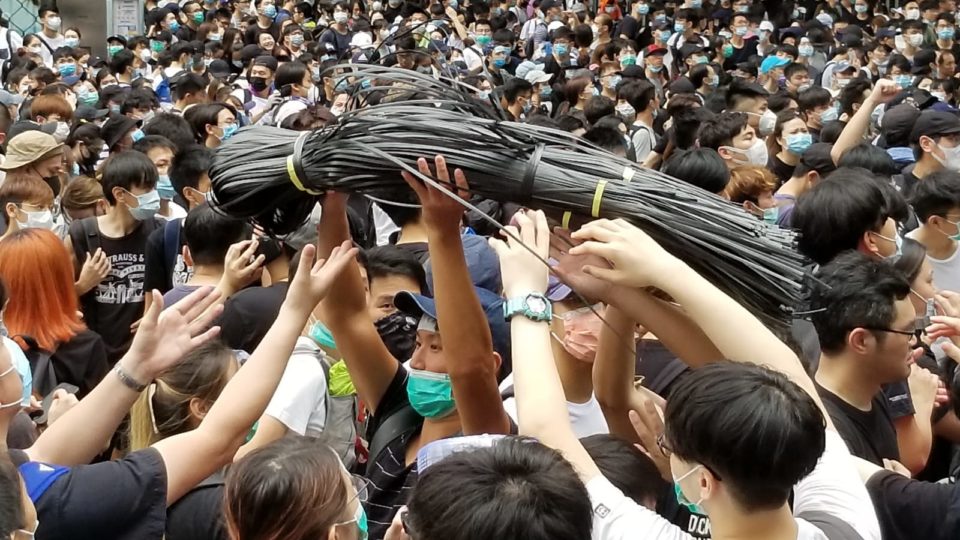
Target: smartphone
[{"x": 48, "y": 400}]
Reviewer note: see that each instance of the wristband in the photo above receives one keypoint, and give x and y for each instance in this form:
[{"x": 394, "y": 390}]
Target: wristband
[{"x": 127, "y": 380}]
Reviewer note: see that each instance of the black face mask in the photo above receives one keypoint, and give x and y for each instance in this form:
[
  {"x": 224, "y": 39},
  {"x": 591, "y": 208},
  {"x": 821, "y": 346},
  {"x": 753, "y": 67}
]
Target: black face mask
[
  {"x": 399, "y": 333},
  {"x": 258, "y": 83}
]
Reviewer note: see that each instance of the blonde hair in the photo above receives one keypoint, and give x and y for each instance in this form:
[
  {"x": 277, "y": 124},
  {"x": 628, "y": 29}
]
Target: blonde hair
[{"x": 748, "y": 183}]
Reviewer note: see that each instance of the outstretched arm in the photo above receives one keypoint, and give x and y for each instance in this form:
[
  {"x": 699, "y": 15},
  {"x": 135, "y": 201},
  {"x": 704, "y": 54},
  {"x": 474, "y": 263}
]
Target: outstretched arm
[
  {"x": 855, "y": 129},
  {"x": 465, "y": 332},
  {"x": 82, "y": 432},
  {"x": 190, "y": 457},
  {"x": 370, "y": 364}
]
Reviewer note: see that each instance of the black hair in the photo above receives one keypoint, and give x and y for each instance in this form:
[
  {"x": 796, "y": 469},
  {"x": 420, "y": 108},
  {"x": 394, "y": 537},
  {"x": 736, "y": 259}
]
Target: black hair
[
  {"x": 514, "y": 87},
  {"x": 701, "y": 167},
  {"x": 698, "y": 74},
  {"x": 852, "y": 94},
  {"x": 289, "y": 74},
  {"x": 126, "y": 170},
  {"x": 209, "y": 233},
  {"x": 121, "y": 61},
  {"x": 721, "y": 129},
  {"x": 597, "y": 107},
  {"x": 519, "y": 488},
  {"x": 867, "y": 156},
  {"x": 912, "y": 255},
  {"x": 911, "y": 25},
  {"x": 638, "y": 94},
  {"x": 400, "y": 215},
  {"x": 813, "y": 97},
  {"x": 200, "y": 116},
  {"x": 173, "y": 127},
  {"x": 794, "y": 68},
  {"x": 834, "y": 215},
  {"x": 936, "y": 195},
  {"x": 187, "y": 83},
  {"x": 628, "y": 468},
  {"x": 570, "y": 123},
  {"x": 750, "y": 426},
  {"x": 830, "y": 131},
  {"x": 149, "y": 142},
  {"x": 142, "y": 99},
  {"x": 190, "y": 163},
  {"x": 854, "y": 291},
  {"x": 391, "y": 260},
  {"x": 11, "y": 498},
  {"x": 739, "y": 91},
  {"x": 608, "y": 138}
]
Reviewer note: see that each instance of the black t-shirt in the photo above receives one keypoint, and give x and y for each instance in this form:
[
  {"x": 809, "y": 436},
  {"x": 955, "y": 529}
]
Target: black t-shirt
[
  {"x": 390, "y": 477},
  {"x": 909, "y": 509},
  {"x": 781, "y": 170},
  {"x": 120, "y": 500},
  {"x": 340, "y": 42},
  {"x": 158, "y": 274},
  {"x": 198, "y": 515},
  {"x": 869, "y": 435},
  {"x": 81, "y": 361},
  {"x": 249, "y": 314},
  {"x": 743, "y": 54},
  {"x": 117, "y": 302},
  {"x": 252, "y": 34},
  {"x": 696, "y": 525}
]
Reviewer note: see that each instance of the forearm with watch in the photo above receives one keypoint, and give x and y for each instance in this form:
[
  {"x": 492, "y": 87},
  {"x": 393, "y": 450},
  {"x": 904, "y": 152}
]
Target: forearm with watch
[{"x": 80, "y": 434}]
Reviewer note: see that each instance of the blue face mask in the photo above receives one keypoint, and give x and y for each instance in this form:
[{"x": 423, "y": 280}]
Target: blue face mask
[
  {"x": 561, "y": 49},
  {"x": 137, "y": 135},
  {"x": 174, "y": 26},
  {"x": 546, "y": 91},
  {"x": 693, "y": 507},
  {"x": 770, "y": 215},
  {"x": 147, "y": 206},
  {"x": 678, "y": 27},
  {"x": 67, "y": 70},
  {"x": 270, "y": 11},
  {"x": 165, "y": 187},
  {"x": 897, "y": 241},
  {"x": 946, "y": 33},
  {"x": 903, "y": 81},
  {"x": 643, "y": 9},
  {"x": 499, "y": 62},
  {"x": 665, "y": 35},
  {"x": 322, "y": 336},
  {"x": 829, "y": 115},
  {"x": 229, "y": 131},
  {"x": 430, "y": 394},
  {"x": 798, "y": 143}
]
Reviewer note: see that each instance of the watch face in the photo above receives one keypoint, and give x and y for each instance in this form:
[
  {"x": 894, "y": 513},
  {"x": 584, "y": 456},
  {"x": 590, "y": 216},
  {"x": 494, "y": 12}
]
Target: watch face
[{"x": 536, "y": 304}]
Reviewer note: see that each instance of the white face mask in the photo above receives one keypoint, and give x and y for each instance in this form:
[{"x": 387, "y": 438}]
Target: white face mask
[
  {"x": 62, "y": 131},
  {"x": 37, "y": 220},
  {"x": 768, "y": 121},
  {"x": 951, "y": 158},
  {"x": 756, "y": 154},
  {"x": 916, "y": 40},
  {"x": 912, "y": 14}
]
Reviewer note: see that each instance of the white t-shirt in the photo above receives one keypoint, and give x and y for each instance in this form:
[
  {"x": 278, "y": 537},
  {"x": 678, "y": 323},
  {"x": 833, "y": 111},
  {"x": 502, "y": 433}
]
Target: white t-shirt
[
  {"x": 22, "y": 365},
  {"x": 290, "y": 108},
  {"x": 586, "y": 418},
  {"x": 299, "y": 401},
  {"x": 833, "y": 488},
  {"x": 946, "y": 272},
  {"x": 54, "y": 43}
]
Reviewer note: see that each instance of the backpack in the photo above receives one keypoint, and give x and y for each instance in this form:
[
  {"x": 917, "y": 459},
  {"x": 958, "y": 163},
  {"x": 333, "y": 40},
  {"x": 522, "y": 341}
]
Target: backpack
[
  {"x": 41, "y": 366},
  {"x": 171, "y": 241},
  {"x": 163, "y": 89},
  {"x": 340, "y": 428}
]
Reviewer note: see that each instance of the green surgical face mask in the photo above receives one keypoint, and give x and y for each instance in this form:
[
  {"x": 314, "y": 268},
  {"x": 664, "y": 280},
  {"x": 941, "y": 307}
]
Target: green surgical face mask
[
  {"x": 322, "y": 336},
  {"x": 430, "y": 394},
  {"x": 693, "y": 507},
  {"x": 771, "y": 214}
]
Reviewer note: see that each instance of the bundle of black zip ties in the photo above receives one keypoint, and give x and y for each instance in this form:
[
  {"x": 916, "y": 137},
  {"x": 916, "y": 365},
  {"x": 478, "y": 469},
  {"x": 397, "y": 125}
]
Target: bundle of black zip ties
[{"x": 274, "y": 177}]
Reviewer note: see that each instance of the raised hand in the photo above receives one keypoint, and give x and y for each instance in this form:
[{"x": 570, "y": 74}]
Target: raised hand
[
  {"x": 95, "y": 268},
  {"x": 522, "y": 271},
  {"x": 570, "y": 267},
  {"x": 240, "y": 266},
  {"x": 648, "y": 424},
  {"x": 314, "y": 278},
  {"x": 165, "y": 337},
  {"x": 636, "y": 259},
  {"x": 440, "y": 211}
]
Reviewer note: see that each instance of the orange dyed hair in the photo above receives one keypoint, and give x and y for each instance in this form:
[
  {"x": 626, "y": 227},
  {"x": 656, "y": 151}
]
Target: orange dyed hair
[{"x": 35, "y": 266}]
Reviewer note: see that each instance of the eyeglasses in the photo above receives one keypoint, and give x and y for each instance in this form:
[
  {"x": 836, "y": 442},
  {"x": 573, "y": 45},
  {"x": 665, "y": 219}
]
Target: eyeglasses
[
  {"x": 912, "y": 333},
  {"x": 662, "y": 445}
]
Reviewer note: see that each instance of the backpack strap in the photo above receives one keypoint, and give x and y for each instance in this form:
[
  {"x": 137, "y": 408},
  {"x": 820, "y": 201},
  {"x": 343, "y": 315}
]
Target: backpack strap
[
  {"x": 395, "y": 425},
  {"x": 831, "y": 526},
  {"x": 171, "y": 241},
  {"x": 85, "y": 239}
]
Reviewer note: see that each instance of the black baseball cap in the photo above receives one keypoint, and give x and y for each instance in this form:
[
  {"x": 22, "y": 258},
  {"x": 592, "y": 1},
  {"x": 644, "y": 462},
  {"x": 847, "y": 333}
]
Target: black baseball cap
[
  {"x": 816, "y": 158},
  {"x": 932, "y": 123},
  {"x": 897, "y": 125},
  {"x": 268, "y": 62}
]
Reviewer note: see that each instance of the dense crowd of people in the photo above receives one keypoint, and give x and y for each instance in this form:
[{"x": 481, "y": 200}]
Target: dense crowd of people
[{"x": 397, "y": 367}]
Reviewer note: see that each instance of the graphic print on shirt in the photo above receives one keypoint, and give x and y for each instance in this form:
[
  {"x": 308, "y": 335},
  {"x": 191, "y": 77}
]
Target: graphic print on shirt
[{"x": 124, "y": 283}]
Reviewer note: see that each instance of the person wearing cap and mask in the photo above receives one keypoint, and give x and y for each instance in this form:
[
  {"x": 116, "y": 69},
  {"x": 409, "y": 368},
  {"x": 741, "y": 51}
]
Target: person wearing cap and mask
[
  {"x": 35, "y": 154},
  {"x": 751, "y": 99},
  {"x": 451, "y": 386},
  {"x": 260, "y": 77},
  {"x": 937, "y": 136},
  {"x": 733, "y": 138}
]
